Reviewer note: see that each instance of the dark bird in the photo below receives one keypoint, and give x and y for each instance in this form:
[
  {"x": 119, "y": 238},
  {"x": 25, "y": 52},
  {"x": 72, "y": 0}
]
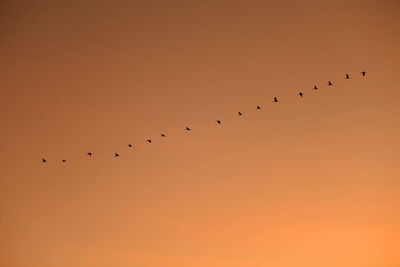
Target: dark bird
[
  {"x": 258, "y": 107},
  {"x": 116, "y": 154},
  {"x": 64, "y": 160},
  {"x": 347, "y": 76},
  {"x": 187, "y": 129},
  {"x": 329, "y": 83},
  {"x": 162, "y": 135},
  {"x": 240, "y": 113},
  {"x": 301, "y": 94},
  {"x": 315, "y": 87},
  {"x": 218, "y": 121},
  {"x": 148, "y": 141},
  {"x": 363, "y": 73},
  {"x": 43, "y": 160},
  {"x": 89, "y": 154},
  {"x": 129, "y": 145},
  {"x": 275, "y": 100}
]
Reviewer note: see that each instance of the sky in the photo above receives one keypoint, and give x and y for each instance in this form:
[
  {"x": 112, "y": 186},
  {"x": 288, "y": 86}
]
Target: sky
[{"x": 311, "y": 181}]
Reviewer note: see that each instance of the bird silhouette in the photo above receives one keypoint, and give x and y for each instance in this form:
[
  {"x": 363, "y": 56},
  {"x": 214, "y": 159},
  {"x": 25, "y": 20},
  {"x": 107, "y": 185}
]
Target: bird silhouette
[
  {"x": 347, "y": 76},
  {"x": 43, "y": 160},
  {"x": 275, "y": 100},
  {"x": 89, "y": 154},
  {"x": 329, "y": 83},
  {"x": 258, "y": 107},
  {"x": 148, "y": 141},
  {"x": 315, "y": 87},
  {"x": 162, "y": 135},
  {"x": 187, "y": 129},
  {"x": 116, "y": 154},
  {"x": 64, "y": 160},
  {"x": 301, "y": 94},
  {"x": 363, "y": 73},
  {"x": 240, "y": 113},
  {"x": 129, "y": 145},
  {"x": 218, "y": 121}
]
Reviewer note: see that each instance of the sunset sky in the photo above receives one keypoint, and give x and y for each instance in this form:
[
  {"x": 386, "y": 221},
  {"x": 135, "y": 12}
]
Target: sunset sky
[{"x": 306, "y": 182}]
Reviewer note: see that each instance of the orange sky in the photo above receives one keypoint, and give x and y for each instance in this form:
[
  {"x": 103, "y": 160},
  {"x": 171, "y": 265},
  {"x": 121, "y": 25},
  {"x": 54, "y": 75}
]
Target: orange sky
[{"x": 306, "y": 182}]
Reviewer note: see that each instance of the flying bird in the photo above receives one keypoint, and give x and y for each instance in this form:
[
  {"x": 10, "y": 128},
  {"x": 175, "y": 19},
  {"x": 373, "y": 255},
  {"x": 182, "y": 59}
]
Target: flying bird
[
  {"x": 64, "y": 160},
  {"x": 329, "y": 83},
  {"x": 187, "y": 129},
  {"x": 43, "y": 160},
  {"x": 148, "y": 141},
  {"x": 363, "y": 73},
  {"x": 162, "y": 135},
  {"x": 218, "y": 121},
  {"x": 240, "y": 113},
  {"x": 347, "y": 76},
  {"x": 275, "y": 100},
  {"x": 129, "y": 145},
  {"x": 301, "y": 94},
  {"x": 258, "y": 107},
  {"x": 315, "y": 87},
  {"x": 116, "y": 154},
  {"x": 89, "y": 154}
]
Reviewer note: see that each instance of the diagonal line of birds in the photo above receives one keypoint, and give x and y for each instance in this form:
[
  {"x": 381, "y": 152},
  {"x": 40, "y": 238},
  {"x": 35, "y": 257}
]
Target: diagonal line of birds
[{"x": 219, "y": 122}]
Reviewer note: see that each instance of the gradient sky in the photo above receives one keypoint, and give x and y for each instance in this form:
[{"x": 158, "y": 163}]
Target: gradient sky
[{"x": 306, "y": 182}]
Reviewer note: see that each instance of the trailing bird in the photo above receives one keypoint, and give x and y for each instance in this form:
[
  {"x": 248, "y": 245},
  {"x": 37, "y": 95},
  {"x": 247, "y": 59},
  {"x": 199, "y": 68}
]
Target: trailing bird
[
  {"x": 218, "y": 121},
  {"x": 329, "y": 83},
  {"x": 162, "y": 135},
  {"x": 258, "y": 107},
  {"x": 347, "y": 76},
  {"x": 301, "y": 94},
  {"x": 275, "y": 100},
  {"x": 240, "y": 113},
  {"x": 148, "y": 141},
  {"x": 89, "y": 154},
  {"x": 363, "y": 73},
  {"x": 116, "y": 154},
  {"x": 187, "y": 129},
  {"x": 43, "y": 160},
  {"x": 315, "y": 87}
]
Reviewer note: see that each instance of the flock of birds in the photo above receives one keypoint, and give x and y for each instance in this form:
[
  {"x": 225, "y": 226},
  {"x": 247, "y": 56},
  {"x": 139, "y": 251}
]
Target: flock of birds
[{"x": 275, "y": 100}]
